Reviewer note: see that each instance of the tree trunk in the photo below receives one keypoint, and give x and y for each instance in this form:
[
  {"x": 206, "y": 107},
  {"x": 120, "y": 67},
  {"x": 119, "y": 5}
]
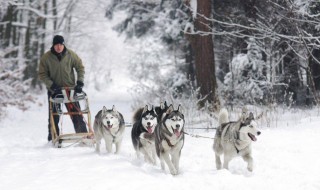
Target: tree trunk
[
  {"x": 55, "y": 13},
  {"x": 202, "y": 45},
  {"x": 313, "y": 79},
  {"x": 8, "y": 28},
  {"x": 315, "y": 68},
  {"x": 291, "y": 78}
]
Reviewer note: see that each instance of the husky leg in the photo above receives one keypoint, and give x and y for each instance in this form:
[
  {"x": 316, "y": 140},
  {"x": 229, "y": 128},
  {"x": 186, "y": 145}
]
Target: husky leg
[
  {"x": 166, "y": 158},
  {"x": 218, "y": 150},
  {"x": 175, "y": 160},
  {"x": 146, "y": 154},
  {"x": 150, "y": 158},
  {"x": 98, "y": 143},
  {"x": 249, "y": 160},
  {"x": 118, "y": 145},
  {"x": 154, "y": 156},
  {"x": 226, "y": 161},
  {"x": 138, "y": 151},
  {"x": 218, "y": 161},
  {"x": 163, "y": 167},
  {"x": 108, "y": 142},
  {"x": 146, "y": 150}
]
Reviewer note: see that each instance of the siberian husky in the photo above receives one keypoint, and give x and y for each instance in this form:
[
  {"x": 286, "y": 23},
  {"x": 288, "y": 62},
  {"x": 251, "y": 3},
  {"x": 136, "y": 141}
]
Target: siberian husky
[
  {"x": 169, "y": 139},
  {"x": 109, "y": 125},
  {"x": 160, "y": 110},
  {"x": 234, "y": 138},
  {"x": 142, "y": 133}
]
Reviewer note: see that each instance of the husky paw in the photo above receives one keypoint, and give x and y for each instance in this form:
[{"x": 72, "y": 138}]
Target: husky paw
[
  {"x": 109, "y": 151},
  {"x": 250, "y": 167},
  {"x": 162, "y": 166},
  {"x": 174, "y": 172}
]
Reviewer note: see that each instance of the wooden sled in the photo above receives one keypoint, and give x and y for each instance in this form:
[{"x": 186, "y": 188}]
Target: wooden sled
[{"x": 68, "y": 96}]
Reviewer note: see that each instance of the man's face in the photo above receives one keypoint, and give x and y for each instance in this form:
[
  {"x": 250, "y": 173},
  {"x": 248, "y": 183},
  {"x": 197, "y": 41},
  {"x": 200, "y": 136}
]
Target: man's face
[{"x": 58, "y": 48}]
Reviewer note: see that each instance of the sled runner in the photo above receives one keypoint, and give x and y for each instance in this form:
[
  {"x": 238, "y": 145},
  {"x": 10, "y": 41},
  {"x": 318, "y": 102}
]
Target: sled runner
[{"x": 80, "y": 104}]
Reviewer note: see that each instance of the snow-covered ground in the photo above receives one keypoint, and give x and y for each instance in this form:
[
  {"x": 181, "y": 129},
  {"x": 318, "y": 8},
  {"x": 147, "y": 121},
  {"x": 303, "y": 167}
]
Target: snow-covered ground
[
  {"x": 286, "y": 154},
  {"x": 286, "y": 157}
]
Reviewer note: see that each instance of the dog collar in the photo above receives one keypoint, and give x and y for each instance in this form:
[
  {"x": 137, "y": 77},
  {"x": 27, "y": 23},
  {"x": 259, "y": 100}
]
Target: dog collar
[
  {"x": 169, "y": 142},
  {"x": 108, "y": 129}
]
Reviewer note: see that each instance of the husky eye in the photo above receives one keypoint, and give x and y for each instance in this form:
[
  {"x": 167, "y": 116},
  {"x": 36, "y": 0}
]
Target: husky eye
[
  {"x": 151, "y": 118},
  {"x": 250, "y": 126}
]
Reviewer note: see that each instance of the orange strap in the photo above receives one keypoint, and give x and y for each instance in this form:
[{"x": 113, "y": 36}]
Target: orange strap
[{"x": 71, "y": 105}]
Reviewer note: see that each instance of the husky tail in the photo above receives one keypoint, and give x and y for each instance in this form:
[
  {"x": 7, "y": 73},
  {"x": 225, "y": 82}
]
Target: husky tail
[
  {"x": 223, "y": 116},
  {"x": 217, "y": 144}
]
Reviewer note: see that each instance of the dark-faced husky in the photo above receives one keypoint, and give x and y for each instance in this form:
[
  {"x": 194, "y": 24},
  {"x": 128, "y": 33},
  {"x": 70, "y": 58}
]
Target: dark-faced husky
[
  {"x": 169, "y": 139},
  {"x": 142, "y": 134},
  {"x": 109, "y": 125},
  {"x": 234, "y": 138},
  {"x": 160, "y": 110}
]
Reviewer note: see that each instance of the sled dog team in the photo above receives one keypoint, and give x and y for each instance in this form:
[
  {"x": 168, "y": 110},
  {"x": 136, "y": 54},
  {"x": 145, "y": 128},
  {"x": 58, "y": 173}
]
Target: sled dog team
[{"x": 160, "y": 131}]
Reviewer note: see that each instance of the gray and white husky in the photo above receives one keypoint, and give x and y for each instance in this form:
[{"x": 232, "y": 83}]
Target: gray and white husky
[
  {"x": 109, "y": 125},
  {"x": 234, "y": 138},
  {"x": 169, "y": 139},
  {"x": 142, "y": 133}
]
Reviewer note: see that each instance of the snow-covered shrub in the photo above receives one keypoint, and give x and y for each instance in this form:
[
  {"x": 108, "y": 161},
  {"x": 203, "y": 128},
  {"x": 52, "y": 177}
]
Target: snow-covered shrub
[
  {"x": 158, "y": 74},
  {"x": 156, "y": 71},
  {"x": 13, "y": 89},
  {"x": 247, "y": 82}
]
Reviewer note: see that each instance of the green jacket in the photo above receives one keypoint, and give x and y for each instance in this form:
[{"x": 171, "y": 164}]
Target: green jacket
[{"x": 51, "y": 70}]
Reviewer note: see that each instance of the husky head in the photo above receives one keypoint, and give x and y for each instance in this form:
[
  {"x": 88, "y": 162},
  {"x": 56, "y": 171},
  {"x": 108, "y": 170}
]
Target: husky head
[
  {"x": 160, "y": 110},
  {"x": 174, "y": 120},
  {"x": 248, "y": 128},
  {"x": 110, "y": 118},
  {"x": 149, "y": 119}
]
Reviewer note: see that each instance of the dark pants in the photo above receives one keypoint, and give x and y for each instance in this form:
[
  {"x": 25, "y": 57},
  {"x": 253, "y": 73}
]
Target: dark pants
[{"x": 77, "y": 120}]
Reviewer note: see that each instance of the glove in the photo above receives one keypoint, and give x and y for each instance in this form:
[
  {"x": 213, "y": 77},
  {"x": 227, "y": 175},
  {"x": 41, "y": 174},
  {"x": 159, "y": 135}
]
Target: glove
[
  {"x": 55, "y": 89},
  {"x": 78, "y": 87}
]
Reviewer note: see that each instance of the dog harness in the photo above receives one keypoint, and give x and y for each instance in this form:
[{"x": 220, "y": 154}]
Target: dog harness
[
  {"x": 235, "y": 138},
  {"x": 166, "y": 131}
]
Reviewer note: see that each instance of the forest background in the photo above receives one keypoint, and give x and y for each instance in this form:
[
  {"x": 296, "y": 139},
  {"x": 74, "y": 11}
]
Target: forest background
[{"x": 200, "y": 53}]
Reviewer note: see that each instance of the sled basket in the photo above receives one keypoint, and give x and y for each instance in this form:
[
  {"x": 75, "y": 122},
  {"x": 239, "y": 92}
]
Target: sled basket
[
  {"x": 74, "y": 138},
  {"x": 79, "y": 101}
]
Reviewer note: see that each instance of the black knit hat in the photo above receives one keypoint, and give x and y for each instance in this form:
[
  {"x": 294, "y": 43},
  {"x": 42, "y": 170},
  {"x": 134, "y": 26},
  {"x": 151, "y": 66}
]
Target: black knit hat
[{"x": 57, "y": 39}]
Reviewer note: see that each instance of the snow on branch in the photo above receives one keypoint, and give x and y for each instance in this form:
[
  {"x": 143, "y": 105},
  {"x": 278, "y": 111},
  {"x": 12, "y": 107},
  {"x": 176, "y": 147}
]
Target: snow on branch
[{"x": 13, "y": 89}]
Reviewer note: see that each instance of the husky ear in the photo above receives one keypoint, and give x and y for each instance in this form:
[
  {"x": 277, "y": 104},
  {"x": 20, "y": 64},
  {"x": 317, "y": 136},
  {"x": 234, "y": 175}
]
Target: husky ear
[
  {"x": 244, "y": 114},
  {"x": 180, "y": 109},
  {"x": 251, "y": 117},
  {"x": 244, "y": 111},
  {"x": 145, "y": 109},
  {"x": 104, "y": 110},
  {"x": 170, "y": 109},
  {"x": 162, "y": 105},
  {"x": 248, "y": 119},
  {"x": 114, "y": 108},
  {"x": 259, "y": 116}
]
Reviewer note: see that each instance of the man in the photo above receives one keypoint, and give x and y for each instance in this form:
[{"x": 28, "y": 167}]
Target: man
[{"x": 56, "y": 70}]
